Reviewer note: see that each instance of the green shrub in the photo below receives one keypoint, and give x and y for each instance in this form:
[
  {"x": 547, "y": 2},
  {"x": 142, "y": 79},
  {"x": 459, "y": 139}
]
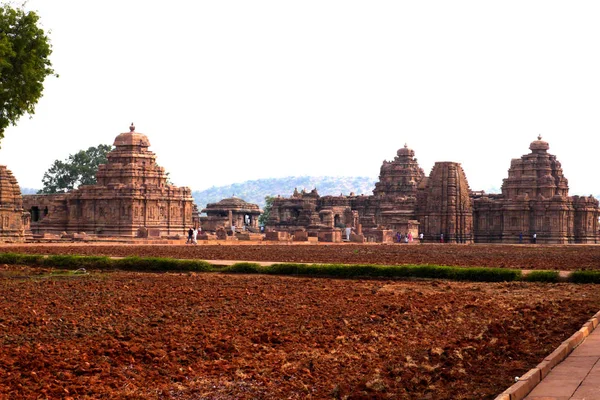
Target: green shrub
[
  {"x": 243, "y": 268},
  {"x": 584, "y": 277},
  {"x": 160, "y": 264},
  {"x": 14, "y": 258},
  {"x": 479, "y": 274},
  {"x": 76, "y": 262},
  {"x": 396, "y": 271},
  {"x": 542, "y": 276}
]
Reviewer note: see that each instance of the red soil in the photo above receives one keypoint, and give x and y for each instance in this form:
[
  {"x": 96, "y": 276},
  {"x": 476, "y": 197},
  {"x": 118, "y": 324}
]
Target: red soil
[{"x": 212, "y": 336}]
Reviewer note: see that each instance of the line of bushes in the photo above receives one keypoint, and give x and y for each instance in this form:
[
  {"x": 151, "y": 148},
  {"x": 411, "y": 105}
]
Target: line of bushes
[
  {"x": 380, "y": 271},
  {"x": 156, "y": 264},
  {"x": 103, "y": 262}
]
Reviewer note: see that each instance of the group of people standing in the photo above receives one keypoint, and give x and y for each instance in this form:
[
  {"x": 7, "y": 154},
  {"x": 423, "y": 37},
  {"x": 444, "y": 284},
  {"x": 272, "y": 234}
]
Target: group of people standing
[
  {"x": 192, "y": 236},
  {"x": 407, "y": 237},
  {"x": 533, "y": 238}
]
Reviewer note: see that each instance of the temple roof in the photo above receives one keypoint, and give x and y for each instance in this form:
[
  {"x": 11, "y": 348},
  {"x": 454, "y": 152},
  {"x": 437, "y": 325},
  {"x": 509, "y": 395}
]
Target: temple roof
[
  {"x": 132, "y": 138},
  {"x": 10, "y": 192},
  {"x": 405, "y": 152},
  {"x": 539, "y": 145},
  {"x": 232, "y": 201},
  {"x": 233, "y": 204}
]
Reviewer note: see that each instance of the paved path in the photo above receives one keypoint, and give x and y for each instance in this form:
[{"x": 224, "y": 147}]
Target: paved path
[{"x": 577, "y": 377}]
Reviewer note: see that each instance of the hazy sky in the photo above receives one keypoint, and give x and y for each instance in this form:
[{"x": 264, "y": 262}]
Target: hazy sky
[{"x": 228, "y": 91}]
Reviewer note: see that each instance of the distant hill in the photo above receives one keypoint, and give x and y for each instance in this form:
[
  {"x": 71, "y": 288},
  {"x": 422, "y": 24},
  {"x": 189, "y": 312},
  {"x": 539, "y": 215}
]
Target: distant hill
[
  {"x": 25, "y": 190},
  {"x": 255, "y": 191}
]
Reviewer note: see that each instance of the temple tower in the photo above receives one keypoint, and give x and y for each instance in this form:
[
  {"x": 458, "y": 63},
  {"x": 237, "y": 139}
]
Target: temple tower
[
  {"x": 131, "y": 198},
  {"x": 536, "y": 174},
  {"x": 399, "y": 177},
  {"x": 535, "y": 200},
  {"x": 445, "y": 206},
  {"x": 14, "y": 221}
]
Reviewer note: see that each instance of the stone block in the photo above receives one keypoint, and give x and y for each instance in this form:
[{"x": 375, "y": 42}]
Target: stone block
[
  {"x": 355, "y": 238},
  {"x": 277, "y": 236},
  {"x": 574, "y": 340},
  {"x": 153, "y": 233},
  {"x": 300, "y": 236},
  {"x": 221, "y": 234},
  {"x": 525, "y": 384},
  {"x": 142, "y": 232},
  {"x": 586, "y": 329},
  {"x": 334, "y": 236},
  {"x": 249, "y": 236},
  {"x": 558, "y": 355},
  {"x": 545, "y": 367}
]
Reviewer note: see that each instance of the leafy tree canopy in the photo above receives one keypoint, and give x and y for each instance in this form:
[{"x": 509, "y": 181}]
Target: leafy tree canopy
[
  {"x": 78, "y": 169},
  {"x": 24, "y": 64},
  {"x": 264, "y": 217}
]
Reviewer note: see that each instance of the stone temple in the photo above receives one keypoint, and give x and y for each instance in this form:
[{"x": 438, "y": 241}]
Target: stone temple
[
  {"x": 14, "y": 220},
  {"x": 534, "y": 200},
  {"x": 230, "y": 212},
  {"x": 130, "y": 199}
]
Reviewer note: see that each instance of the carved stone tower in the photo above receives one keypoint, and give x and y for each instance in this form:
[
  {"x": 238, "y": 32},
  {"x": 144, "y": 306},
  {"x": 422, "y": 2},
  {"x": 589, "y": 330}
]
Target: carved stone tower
[
  {"x": 14, "y": 221},
  {"x": 445, "y": 205}
]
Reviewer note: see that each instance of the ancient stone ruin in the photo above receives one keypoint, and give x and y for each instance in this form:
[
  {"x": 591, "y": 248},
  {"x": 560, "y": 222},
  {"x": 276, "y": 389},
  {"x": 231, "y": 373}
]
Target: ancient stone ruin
[
  {"x": 230, "y": 212},
  {"x": 14, "y": 220},
  {"x": 441, "y": 206},
  {"x": 130, "y": 199},
  {"x": 535, "y": 200}
]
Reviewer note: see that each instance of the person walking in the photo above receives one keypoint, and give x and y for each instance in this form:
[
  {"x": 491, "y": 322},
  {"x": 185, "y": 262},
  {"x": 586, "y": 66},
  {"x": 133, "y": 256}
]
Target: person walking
[
  {"x": 441, "y": 238},
  {"x": 190, "y": 233},
  {"x": 534, "y": 238},
  {"x": 194, "y": 236},
  {"x": 421, "y": 237}
]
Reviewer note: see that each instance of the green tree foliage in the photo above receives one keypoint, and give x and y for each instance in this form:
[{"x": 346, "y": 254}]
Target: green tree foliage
[
  {"x": 264, "y": 217},
  {"x": 24, "y": 64},
  {"x": 78, "y": 169}
]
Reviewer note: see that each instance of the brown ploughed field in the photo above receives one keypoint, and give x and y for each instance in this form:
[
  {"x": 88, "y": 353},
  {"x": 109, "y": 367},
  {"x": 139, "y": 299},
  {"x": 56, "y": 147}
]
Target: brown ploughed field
[{"x": 215, "y": 336}]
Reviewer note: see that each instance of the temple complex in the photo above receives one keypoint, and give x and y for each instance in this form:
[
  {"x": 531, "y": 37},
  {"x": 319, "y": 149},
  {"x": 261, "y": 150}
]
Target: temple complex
[
  {"x": 441, "y": 206},
  {"x": 14, "y": 220},
  {"x": 131, "y": 198}
]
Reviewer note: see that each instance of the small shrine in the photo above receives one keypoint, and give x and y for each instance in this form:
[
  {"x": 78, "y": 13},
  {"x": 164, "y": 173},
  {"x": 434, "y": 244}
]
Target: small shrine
[{"x": 231, "y": 213}]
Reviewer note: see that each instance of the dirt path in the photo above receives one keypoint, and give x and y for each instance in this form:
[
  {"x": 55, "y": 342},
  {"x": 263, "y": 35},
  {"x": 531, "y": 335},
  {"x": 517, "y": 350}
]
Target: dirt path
[{"x": 567, "y": 257}]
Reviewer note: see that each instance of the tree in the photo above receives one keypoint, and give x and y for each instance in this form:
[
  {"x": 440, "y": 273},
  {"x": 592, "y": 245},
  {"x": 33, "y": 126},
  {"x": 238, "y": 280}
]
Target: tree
[
  {"x": 78, "y": 169},
  {"x": 264, "y": 217},
  {"x": 24, "y": 64}
]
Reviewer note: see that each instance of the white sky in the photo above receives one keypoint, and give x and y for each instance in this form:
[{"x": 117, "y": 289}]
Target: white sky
[{"x": 234, "y": 90}]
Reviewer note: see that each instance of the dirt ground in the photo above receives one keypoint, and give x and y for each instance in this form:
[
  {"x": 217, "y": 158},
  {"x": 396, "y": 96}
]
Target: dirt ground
[
  {"x": 214, "y": 336},
  {"x": 565, "y": 257}
]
